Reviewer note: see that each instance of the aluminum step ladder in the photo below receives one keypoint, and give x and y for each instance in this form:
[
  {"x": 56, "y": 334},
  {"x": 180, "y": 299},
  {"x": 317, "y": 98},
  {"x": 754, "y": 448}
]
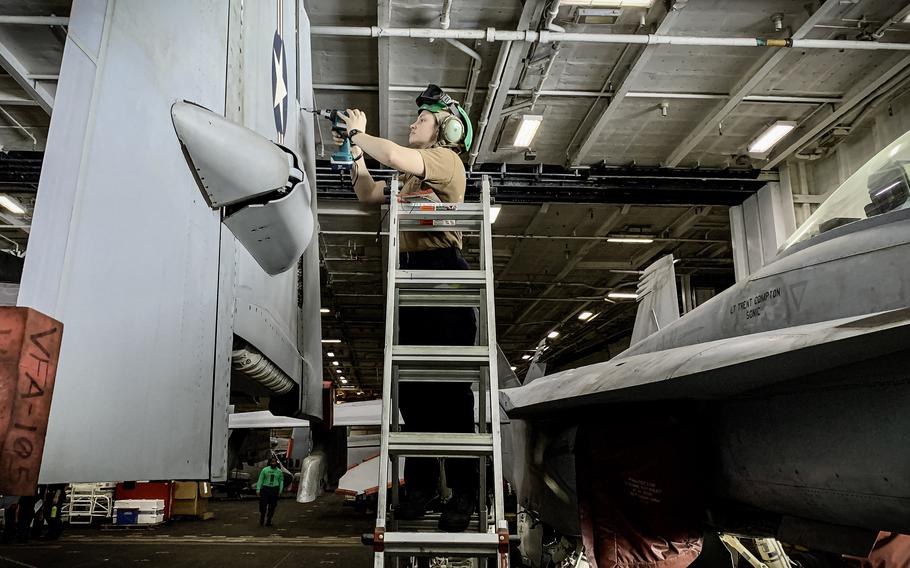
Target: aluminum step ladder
[{"x": 487, "y": 537}]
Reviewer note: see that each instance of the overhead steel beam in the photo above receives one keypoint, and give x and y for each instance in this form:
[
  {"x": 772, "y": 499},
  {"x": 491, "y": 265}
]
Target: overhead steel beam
[
  {"x": 12, "y": 100},
  {"x": 682, "y": 225},
  {"x": 531, "y": 12},
  {"x": 539, "y": 217},
  {"x": 636, "y": 186},
  {"x": 579, "y": 154},
  {"x": 863, "y": 88},
  {"x": 12, "y": 65},
  {"x": 745, "y": 87},
  {"x": 14, "y": 222},
  {"x": 604, "y": 228},
  {"x": 384, "y": 20}
]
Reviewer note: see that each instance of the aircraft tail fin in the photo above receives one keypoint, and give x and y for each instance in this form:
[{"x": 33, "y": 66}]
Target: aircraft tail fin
[
  {"x": 658, "y": 305},
  {"x": 507, "y": 377}
]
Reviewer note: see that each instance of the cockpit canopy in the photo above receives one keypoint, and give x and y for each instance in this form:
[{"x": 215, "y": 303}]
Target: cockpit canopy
[{"x": 880, "y": 186}]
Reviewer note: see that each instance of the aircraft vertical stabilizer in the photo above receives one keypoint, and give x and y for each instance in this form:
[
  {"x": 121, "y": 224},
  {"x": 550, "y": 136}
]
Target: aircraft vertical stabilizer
[{"x": 657, "y": 299}]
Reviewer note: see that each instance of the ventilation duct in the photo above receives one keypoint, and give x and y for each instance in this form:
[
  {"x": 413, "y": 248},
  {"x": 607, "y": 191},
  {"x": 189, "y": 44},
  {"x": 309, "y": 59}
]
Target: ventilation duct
[{"x": 248, "y": 361}]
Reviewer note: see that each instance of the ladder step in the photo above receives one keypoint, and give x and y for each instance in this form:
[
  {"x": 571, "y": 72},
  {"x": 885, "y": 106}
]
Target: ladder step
[
  {"x": 440, "y": 444},
  {"x": 430, "y": 523},
  {"x": 432, "y": 211},
  {"x": 441, "y": 544},
  {"x": 438, "y": 374},
  {"x": 433, "y": 355},
  {"x": 416, "y": 297},
  {"x": 439, "y": 226},
  {"x": 440, "y": 279}
]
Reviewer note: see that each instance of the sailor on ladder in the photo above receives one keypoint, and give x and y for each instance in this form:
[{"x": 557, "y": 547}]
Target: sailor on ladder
[{"x": 433, "y": 173}]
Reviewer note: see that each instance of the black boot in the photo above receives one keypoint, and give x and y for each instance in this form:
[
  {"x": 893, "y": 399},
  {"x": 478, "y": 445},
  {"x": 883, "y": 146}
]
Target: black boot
[
  {"x": 414, "y": 506},
  {"x": 457, "y": 513},
  {"x": 261, "y": 520}
]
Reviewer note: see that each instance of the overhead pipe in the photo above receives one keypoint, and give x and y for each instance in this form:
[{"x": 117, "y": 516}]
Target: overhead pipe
[
  {"x": 543, "y": 76},
  {"x": 492, "y": 34},
  {"x": 476, "y": 64},
  {"x": 492, "y": 89},
  {"x": 899, "y": 17},
  {"x": 551, "y": 15},
  {"x": 591, "y": 94},
  {"x": 444, "y": 20},
  {"x": 509, "y": 111}
]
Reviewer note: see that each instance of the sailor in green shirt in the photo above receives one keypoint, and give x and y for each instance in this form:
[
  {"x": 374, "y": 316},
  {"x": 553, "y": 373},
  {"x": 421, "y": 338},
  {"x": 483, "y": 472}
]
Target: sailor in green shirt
[{"x": 269, "y": 487}]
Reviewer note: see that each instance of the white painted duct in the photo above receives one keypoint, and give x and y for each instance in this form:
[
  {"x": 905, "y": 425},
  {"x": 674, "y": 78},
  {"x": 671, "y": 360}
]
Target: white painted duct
[
  {"x": 492, "y": 34},
  {"x": 476, "y": 65},
  {"x": 248, "y": 361},
  {"x": 475, "y": 72}
]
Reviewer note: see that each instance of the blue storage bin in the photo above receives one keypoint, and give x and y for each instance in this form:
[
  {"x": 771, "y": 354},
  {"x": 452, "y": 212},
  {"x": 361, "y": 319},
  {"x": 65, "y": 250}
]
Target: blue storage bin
[{"x": 127, "y": 516}]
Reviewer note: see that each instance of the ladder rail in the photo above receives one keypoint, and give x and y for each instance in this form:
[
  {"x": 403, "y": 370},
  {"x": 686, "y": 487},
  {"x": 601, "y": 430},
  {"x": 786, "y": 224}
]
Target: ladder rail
[
  {"x": 493, "y": 386},
  {"x": 386, "y": 420}
]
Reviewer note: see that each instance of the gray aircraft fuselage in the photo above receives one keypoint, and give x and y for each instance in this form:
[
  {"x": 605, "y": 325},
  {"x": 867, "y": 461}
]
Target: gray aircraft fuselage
[
  {"x": 858, "y": 268},
  {"x": 818, "y": 441}
]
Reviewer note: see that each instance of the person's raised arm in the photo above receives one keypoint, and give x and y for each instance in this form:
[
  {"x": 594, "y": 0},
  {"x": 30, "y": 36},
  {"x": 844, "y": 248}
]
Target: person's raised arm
[
  {"x": 405, "y": 160},
  {"x": 367, "y": 189}
]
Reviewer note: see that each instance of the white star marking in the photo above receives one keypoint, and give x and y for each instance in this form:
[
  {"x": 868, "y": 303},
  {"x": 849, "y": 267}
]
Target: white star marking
[{"x": 281, "y": 89}]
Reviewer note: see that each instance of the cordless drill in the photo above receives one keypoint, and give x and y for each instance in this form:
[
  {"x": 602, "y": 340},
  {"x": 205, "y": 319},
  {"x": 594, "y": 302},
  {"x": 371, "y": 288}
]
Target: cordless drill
[{"x": 342, "y": 160}]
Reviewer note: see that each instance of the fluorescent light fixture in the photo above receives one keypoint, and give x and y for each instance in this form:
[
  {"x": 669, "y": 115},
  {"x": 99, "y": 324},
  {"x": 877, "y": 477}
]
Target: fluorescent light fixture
[
  {"x": 335, "y": 363},
  {"x": 597, "y": 16},
  {"x": 513, "y": 368},
  {"x": 590, "y": 319},
  {"x": 494, "y": 212},
  {"x": 906, "y": 19},
  {"x": 338, "y": 371},
  {"x": 774, "y": 134},
  {"x": 585, "y": 316},
  {"x": 331, "y": 341},
  {"x": 525, "y": 357},
  {"x": 323, "y": 310},
  {"x": 11, "y": 204},
  {"x": 622, "y": 296},
  {"x": 631, "y": 240},
  {"x": 553, "y": 334},
  {"x": 343, "y": 380},
  {"x": 330, "y": 354},
  {"x": 609, "y": 3},
  {"x": 526, "y": 131}
]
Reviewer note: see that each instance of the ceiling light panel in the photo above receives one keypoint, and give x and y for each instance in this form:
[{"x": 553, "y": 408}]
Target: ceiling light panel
[
  {"x": 771, "y": 136},
  {"x": 527, "y": 129}
]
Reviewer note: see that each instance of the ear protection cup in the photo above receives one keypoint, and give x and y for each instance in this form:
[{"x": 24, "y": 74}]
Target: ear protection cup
[{"x": 451, "y": 130}]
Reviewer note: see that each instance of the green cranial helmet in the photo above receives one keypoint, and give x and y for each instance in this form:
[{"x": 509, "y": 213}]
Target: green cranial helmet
[{"x": 455, "y": 127}]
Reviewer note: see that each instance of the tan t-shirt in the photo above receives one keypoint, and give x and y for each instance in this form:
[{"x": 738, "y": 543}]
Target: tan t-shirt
[{"x": 443, "y": 182}]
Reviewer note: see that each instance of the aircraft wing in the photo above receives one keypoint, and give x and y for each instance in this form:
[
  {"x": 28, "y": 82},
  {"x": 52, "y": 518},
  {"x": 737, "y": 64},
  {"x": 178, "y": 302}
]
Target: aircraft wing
[
  {"x": 716, "y": 369},
  {"x": 263, "y": 419}
]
